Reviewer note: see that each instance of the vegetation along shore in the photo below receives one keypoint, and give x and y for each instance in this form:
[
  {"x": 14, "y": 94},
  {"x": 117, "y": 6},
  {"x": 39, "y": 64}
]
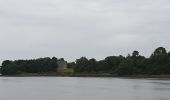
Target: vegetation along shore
[{"x": 134, "y": 65}]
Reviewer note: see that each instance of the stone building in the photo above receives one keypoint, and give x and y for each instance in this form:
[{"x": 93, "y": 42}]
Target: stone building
[{"x": 62, "y": 64}]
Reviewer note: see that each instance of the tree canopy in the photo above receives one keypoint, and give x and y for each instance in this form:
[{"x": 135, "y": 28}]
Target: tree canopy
[{"x": 134, "y": 64}]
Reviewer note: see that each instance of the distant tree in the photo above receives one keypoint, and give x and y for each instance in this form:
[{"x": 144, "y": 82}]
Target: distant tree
[
  {"x": 92, "y": 64},
  {"x": 6, "y": 62},
  {"x": 111, "y": 63},
  {"x": 160, "y": 51},
  {"x": 135, "y": 54},
  {"x": 8, "y": 68},
  {"x": 29, "y": 66},
  {"x": 158, "y": 62},
  {"x": 81, "y": 65},
  {"x": 159, "y": 55},
  {"x": 61, "y": 59},
  {"x": 134, "y": 64},
  {"x": 125, "y": 68},
  {"x": 54, "y": 59}
]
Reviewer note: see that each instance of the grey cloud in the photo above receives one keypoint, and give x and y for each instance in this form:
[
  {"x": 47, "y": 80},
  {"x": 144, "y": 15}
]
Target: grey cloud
[{"x": 74, "y": 28}]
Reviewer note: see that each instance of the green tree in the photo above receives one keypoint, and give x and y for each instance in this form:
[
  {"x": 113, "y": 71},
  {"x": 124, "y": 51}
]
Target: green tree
[
  {"x": 158, "y": 62},
  {"x": 135, "y": 54}
]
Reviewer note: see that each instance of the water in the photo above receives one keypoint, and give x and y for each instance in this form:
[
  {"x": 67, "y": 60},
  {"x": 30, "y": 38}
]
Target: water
[{"x": 70, "y": 88}]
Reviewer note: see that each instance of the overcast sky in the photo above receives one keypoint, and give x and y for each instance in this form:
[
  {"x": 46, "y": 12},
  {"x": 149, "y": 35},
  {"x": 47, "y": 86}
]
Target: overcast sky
[{"x": 75, "y": 28}]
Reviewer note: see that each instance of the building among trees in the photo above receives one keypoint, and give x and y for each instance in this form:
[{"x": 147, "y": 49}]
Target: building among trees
[
  {"x": 62, "y": 64},
  {"x": 134, "y": 64}
]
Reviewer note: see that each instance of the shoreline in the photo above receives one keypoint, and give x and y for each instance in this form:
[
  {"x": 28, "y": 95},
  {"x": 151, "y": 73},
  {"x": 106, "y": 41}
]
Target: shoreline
[{"x": 162, "y": 77}]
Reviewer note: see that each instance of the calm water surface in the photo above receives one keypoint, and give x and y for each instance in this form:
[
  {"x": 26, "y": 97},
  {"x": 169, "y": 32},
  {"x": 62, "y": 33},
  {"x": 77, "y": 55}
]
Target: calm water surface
[{"x": 70, "y": 88}]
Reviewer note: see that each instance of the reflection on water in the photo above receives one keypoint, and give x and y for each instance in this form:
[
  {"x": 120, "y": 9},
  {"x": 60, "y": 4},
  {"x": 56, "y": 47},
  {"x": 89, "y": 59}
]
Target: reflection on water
[{"x": 68, "y": 88}]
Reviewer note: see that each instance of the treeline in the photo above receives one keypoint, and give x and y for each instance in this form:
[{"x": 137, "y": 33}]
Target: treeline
[
  {"x": 29, "y": 66},
  {"x": 134, "y": 64}
]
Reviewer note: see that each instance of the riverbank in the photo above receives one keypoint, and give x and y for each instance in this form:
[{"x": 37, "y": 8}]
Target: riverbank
[
  {"x": 88, "y": 75},
  {"x": 59, "y": 75}
]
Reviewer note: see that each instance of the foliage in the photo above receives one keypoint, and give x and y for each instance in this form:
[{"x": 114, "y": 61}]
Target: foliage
[
  {"x": 29, "y": 66},
  {"x": 134, "y": 64}
]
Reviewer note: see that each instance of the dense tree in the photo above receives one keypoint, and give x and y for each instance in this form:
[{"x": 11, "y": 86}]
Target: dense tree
[
  {"x": 8, "y": 68},
  {"x": 158, "y": 62},
  {"x": 54, "y": 59},
  {"x": 135, "y": 54},
  {"x": 111, "y": 63},
  {"x": 125, "y": 68},
  {"x": 134, "y": 64},
  {"x": 29, "y": 66},
  {"x": 160, "y": 51}
]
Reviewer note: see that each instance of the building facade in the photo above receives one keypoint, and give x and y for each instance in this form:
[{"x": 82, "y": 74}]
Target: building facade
[{"x": 62, "y": 64}]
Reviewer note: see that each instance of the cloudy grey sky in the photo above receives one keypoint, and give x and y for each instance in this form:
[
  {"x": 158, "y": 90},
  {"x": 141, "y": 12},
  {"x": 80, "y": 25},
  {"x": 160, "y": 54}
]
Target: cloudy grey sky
[{"x": 75, "y": 28}]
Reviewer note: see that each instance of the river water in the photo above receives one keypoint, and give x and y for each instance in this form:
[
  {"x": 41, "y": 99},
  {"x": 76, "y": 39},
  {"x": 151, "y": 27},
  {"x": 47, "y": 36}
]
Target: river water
[{"x": 75, "y": 88}]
